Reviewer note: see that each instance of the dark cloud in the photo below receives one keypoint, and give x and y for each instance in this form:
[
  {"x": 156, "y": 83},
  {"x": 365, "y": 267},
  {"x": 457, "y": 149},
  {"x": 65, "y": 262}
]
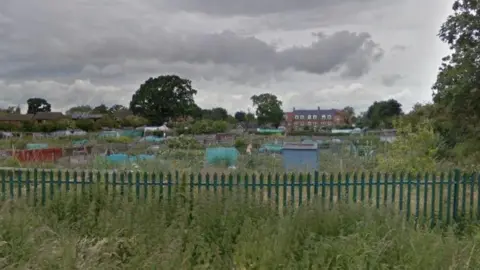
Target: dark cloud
[
  {"x": 83, "y": 51},
  {"x": 352, "y": 51}
]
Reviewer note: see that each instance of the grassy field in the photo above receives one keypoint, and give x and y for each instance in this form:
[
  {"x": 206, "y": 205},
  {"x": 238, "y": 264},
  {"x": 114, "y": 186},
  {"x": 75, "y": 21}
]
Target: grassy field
[{"x": 99, "y": 231}]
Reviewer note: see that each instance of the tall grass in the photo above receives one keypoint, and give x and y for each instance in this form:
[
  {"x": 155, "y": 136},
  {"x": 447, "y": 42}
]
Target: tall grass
[{"x": 96, "y": 230}]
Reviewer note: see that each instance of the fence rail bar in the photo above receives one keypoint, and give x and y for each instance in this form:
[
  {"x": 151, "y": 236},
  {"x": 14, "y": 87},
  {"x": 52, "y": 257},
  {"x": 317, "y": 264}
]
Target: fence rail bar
[{"x": 429, "y": 198}]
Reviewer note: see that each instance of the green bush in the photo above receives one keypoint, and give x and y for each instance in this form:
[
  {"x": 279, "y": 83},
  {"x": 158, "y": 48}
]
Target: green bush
[
  {"x": 241, "y": 144},
  {"x": 184, "y": 142},
  {"x": 121, "y": 139},
  {"x": 202, "y": 127},
  {"x": 411, "y": 151}
]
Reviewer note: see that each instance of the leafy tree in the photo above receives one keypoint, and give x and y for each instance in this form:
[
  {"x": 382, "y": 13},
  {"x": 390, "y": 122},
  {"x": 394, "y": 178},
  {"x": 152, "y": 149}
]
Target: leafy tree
[
  {"x": 215, "y": 114},
  {"x": 456, "y": 91},
  {"x": 349, "y": 114},
  {"x": 29, "y": 126},
  {"x": 380, "y": 114},
  {"x": 163, "y": 98},
  {"x": 269, "y": 109},
  {"x": 36, "y": 105},
  {"x": 250, "y": 117},
  {"x": 11, "y": 110},
  {"x": 107, "y": 121},
  {"x": 207, "y": 126},
  {"x": 420, "y": 113},
  {"x": 100, "y": 109},
  {"x": 134, "y": 121},
  {"x": 47, "y": 127},
  {"x": 117, "y": 108},
  {"x": 195, "y": 111},
  {"x": 86, "y": 125},
  {"x": 240, "y": 116},
  {"x": 79, "y": 109},
  {"x": 414, "y": 150}
]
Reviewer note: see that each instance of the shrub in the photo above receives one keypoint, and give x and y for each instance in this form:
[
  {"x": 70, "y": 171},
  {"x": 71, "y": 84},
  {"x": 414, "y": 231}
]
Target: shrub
[
  {"x": 121, "y": 139},
  {"x": 411, "y": 151},
  {"x": 184, "y": 142},
  {"x": 240, "y": 144}
]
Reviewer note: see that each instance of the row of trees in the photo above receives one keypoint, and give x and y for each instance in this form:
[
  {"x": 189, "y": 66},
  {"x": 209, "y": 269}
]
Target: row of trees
[{"x": 170, "y": 98}]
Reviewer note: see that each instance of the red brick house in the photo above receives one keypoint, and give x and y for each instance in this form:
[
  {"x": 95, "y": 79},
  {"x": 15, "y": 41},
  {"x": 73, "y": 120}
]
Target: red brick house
[{"x": 314, "y": 119}]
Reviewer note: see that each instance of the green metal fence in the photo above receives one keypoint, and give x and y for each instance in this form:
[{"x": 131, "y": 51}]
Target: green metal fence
[{"x": 429, "y": 198}]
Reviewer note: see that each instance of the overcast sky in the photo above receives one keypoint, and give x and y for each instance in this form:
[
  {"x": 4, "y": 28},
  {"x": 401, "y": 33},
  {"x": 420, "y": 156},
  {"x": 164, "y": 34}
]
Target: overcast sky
[{"x": 310, "y": 53}]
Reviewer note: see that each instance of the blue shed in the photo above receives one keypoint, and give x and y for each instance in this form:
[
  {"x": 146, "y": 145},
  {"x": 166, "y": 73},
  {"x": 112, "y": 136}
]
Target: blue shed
[{"x": 302, "y": 157}]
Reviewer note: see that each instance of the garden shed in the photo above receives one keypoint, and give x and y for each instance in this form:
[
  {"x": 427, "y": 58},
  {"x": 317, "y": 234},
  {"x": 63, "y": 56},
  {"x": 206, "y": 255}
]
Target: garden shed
[{"x": 302, "y": 157}]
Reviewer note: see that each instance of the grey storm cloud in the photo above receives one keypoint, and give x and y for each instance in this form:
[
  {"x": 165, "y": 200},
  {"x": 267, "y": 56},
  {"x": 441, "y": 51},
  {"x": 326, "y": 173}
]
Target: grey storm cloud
[
  {"x": 352, "y": 52},
  {"x": 102, "y": 49}
]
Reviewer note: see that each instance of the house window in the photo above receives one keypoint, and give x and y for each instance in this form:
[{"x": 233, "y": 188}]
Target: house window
[
  {"x": 295, "y": 123},
  {"x": 309, "y": 117},
  {"x": 315, "y": 123},
  {"x": 309, "y": 123},
  {"x": 301, "y": 123},
  {"x": 323, "y": 116},
  {"x": 301, "y": 117},
  {"x": 314, "y": 117},
  {"x": 329, "y": 117},
  {"x": 296, "y": 116}
]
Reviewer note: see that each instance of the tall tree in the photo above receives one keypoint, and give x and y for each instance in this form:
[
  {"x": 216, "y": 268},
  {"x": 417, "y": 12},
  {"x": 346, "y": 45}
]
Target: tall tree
[
  {"x": 36, "y": 105},
  {"x": 163, "y": 98},
  {"x": 380, "y": 114},
  {"x": 456, "y": 91},
  {"x": 116, "y": 108},
  {"x": 215, "y": 114},
  {"x": 79, "y": 109},
  {"x": 269, "y": 109},
  {"x": 349, "y": 114},
  {"x": 195, "y": 112},
  {"x": 240, "y": 116},
  {"x": 101, "y": 109},
  {"x": 11, "y": 110}
]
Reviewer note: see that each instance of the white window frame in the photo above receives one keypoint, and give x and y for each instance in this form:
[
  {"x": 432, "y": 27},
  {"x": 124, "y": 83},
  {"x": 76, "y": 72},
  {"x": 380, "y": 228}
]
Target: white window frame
[
  {"x": 296, "y": 117},
  {"x": 314, "y": 116},
  {"x": 329, "y": 117},
  {"x": 309, "y": 123},
  {"x": 302, "y": 117},
  {"x": 323, "y": 116},
  {"x": 309, "y": 117}
]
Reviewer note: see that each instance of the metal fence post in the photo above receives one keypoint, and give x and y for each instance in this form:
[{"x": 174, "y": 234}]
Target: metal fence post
[{"x": 455, "y": 194}]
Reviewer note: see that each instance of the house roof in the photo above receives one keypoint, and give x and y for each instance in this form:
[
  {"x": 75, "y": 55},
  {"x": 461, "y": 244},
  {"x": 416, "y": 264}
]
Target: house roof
[
  {"x": 86, "y": 116},
  {"x": 122, "y": 113},
  {"x": 48, "y": 116},
  {"x": 16, "y": 117},
  {"x": 318, "y": 112}
]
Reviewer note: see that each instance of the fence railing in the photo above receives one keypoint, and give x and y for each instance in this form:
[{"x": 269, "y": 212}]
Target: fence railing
[{"x": 429, "y": 198}]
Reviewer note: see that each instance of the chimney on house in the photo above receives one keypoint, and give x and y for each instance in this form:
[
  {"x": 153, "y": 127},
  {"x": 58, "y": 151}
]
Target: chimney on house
[
  {"x": 318, "y": 108},
  {"x": 293, "y": 108}
]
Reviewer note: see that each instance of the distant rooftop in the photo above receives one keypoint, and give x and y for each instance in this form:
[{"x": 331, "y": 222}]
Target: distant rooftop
[{"x": 317, "y": 111}]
